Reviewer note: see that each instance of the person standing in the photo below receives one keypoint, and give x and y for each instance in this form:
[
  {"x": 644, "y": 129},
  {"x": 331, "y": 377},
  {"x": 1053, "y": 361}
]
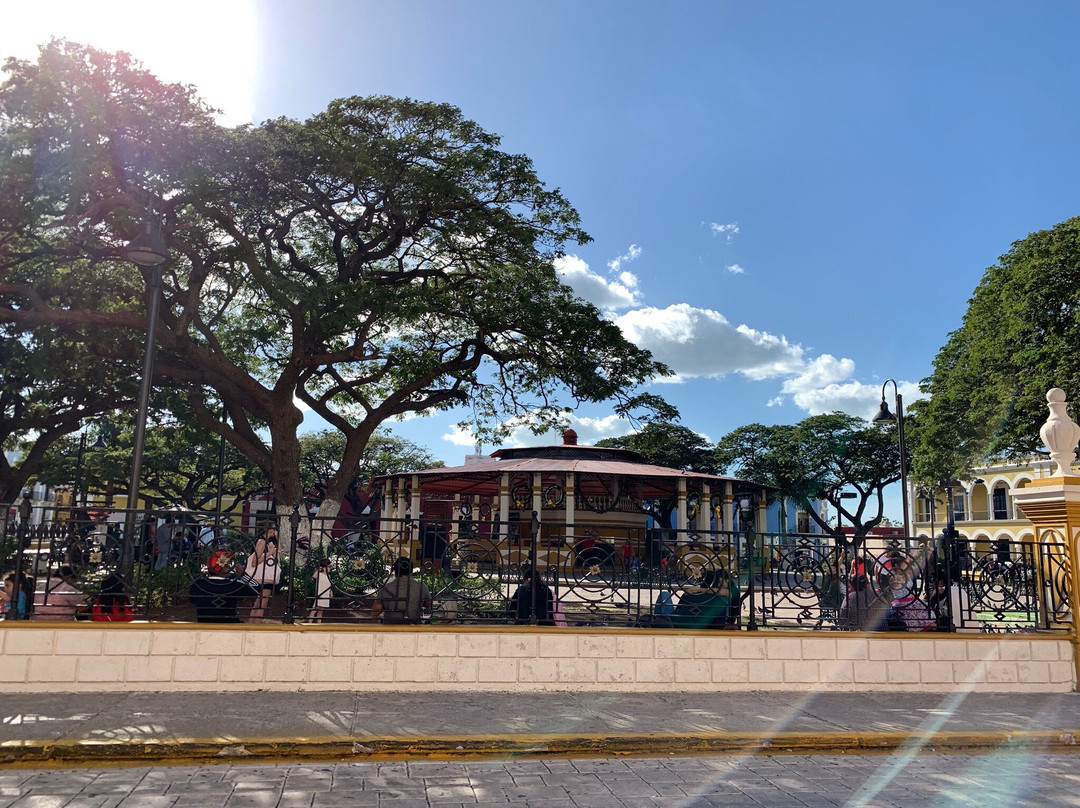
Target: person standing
[
  {"x": 163, "y": 542},
  {"x": 324, "y": 590},
  {"x": 262, "y": 566}
]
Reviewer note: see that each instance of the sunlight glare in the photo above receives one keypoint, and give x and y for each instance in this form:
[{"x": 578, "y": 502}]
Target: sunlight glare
[{"x": 211, "y": 45}]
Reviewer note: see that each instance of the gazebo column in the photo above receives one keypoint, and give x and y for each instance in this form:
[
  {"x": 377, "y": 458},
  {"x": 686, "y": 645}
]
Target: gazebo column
[
  {"x": 504, "y": 505},
  {"x": 414, "y": 509},
  {"x": 728, "y": 505},
  {"x": 387, "y": 509},
  {"x": 570, "y": 506},
  {"x": 537, "y": 501},
  {"x": 455, "y": 518},
  {"x": 761, "y": 516},
  {"x": 398, "y": 527},
  {"x": 680, "y": 518},
  {"x": 705, "y": 513}
]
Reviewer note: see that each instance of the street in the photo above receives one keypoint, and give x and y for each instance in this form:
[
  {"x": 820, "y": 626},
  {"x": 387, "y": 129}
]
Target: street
[{"x": 1005, "y": 779}]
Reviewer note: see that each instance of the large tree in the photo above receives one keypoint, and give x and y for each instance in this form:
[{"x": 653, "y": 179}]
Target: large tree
[
  {"x": 383, "y": 257},
  {"x": 817, "y": 459},
  {"x": 1019, "y": 338}
]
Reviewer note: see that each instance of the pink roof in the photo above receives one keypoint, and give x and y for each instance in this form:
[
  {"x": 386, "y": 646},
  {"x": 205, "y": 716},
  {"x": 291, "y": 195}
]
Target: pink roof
[{"x": 483, "y": 477}]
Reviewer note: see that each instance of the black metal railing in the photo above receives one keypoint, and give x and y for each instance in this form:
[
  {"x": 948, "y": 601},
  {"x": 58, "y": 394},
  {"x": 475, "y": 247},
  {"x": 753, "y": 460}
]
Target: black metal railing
[{"x": 484, "y": 571}]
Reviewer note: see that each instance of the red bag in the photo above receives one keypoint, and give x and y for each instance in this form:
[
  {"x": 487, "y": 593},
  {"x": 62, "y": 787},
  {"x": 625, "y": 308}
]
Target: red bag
[{"x": 116, "y": 613}]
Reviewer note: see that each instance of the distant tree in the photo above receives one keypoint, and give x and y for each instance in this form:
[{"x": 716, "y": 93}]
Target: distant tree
[
  {"x": 180, "y": 467},
  {"x": 671, "y": 445},
  {"x": 50, "y": 385},
  {"x": 320, "y": 454},
  {"x": 384, "y": 257},
  {"x": 1019, "y": 338},
  {"x": 816, "y": 459}
]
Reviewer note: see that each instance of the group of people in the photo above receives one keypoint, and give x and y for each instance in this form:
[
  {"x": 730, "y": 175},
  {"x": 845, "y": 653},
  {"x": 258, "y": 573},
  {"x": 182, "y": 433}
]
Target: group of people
[
  {"x": 61, "y": 599},
  {"x": 886, "y": 598},
  {"x": 714, "y": 602}
]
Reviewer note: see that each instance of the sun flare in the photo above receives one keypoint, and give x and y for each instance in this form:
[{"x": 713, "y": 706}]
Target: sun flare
[{"x": 202, "y": 42}]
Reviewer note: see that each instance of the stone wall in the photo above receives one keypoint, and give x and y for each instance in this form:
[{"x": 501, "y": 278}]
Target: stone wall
[{"x": 37, "y": 657}]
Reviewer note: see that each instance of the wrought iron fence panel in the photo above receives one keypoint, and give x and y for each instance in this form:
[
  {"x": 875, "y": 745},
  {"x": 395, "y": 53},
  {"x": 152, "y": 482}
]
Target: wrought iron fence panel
[{"x": 619, "y": 574}]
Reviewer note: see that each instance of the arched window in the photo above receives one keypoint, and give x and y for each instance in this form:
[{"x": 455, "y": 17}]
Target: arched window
[
  {"x": 1001, "y": 502},
  {"x": 958, "y": 507}
]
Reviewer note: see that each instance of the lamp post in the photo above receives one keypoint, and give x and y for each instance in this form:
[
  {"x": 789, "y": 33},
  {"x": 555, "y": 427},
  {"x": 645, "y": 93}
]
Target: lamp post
[
  {"x": 746, "y": 524},
  {"x": 147, "y": 250},
  {"x": 885, "y": 417}
]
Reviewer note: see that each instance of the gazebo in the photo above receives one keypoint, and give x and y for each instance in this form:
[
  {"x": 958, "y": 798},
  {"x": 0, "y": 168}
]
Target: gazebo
[{"x": 563, "y": 495}]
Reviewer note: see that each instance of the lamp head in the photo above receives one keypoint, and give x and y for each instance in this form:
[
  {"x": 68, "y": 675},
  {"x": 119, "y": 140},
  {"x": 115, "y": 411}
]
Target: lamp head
[
  {"x": 148, "y": 248},
  {"x": 883, "y": 415}
]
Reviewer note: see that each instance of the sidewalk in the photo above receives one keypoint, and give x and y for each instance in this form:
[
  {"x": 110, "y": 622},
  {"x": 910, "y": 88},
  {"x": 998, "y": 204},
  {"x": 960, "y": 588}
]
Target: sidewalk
[{"x": 149, "y": 727}]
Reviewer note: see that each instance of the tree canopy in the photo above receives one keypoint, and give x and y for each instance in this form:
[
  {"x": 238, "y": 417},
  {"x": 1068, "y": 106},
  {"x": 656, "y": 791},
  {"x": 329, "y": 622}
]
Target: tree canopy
[
  {"x": 817, "y": 459},
  {"x": 385, "y": 453},
  {"x": 383, "y": 257},
  {"x": 1018, "y": 339},
  {"x": 672, "y": 445},
  {"x": 50, "y": 384}
]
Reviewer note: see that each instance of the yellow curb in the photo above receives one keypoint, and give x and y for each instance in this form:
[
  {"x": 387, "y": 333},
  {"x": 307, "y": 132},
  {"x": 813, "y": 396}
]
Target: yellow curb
[{"x": 23, "y": 753}]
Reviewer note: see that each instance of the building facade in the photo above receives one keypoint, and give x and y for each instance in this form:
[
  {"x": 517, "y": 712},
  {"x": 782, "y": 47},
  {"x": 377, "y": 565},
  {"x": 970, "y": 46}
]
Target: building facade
[{"x": 981, "y": 507}]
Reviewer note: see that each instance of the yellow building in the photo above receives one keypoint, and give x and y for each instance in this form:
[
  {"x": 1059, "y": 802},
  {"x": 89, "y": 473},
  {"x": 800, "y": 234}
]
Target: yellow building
[{"x": 982, "y": 506}]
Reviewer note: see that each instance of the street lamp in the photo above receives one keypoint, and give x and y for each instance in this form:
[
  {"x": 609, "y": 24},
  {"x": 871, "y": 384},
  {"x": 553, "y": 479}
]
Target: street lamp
[
  {"x": 147, "y": 250},
  {"x": 885, "y": 417},
  {"x": 746, "y": 525}
]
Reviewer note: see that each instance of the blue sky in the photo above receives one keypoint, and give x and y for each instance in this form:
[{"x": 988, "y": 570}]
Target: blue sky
[{"x": 791, "y": 202}]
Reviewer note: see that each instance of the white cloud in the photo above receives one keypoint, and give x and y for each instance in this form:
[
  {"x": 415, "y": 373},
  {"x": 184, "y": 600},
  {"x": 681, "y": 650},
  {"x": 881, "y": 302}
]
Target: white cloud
[
  {"x": 729, "y": 231},
  {"x": 852, "y": 397},
  {"x": 632, "y": 252},
  {"x": 819, "y": 372},
  {"x": 599, "y": 291},
  {"x": 776, "y": 401},
  {"x": 702, "y": 342},
  {"x": 735, "y": 269},
  {"x": 459, "y": 436}
]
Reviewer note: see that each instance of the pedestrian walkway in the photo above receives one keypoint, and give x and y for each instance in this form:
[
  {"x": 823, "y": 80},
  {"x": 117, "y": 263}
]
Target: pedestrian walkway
[{"x": 326, "y": 725}]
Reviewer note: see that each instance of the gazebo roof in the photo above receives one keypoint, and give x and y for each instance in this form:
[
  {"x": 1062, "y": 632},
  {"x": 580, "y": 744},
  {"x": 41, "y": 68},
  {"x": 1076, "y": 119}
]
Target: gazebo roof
[{"x": 591, "y": 465}]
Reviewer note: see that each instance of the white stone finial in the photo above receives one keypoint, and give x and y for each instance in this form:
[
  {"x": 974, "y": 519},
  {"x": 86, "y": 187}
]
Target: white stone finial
[{"x": 1060, "y": 434}]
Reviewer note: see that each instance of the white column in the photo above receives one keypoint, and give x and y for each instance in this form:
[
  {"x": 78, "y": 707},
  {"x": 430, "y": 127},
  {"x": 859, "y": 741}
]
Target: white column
[
  {"x": 537, "y": 500},
  {"x": 571, "y": 496},
  {"x": 504, "y": 506},
  {"x": 680, "y": 518}
]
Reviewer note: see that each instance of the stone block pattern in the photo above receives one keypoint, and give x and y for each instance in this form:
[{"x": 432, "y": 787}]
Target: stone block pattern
[{"x": 92, "y": 658}]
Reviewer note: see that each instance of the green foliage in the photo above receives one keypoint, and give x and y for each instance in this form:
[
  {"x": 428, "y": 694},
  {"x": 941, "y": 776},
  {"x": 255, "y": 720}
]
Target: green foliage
[
  {"x": 1018, "y": 339},
  {"x": 385, "y": 453},
  {"x": 671, "y": 445},
  {"x": 51, "y": 381},
  {"x": 816, "y": 459},
  {"x": 381, "y": 258}
]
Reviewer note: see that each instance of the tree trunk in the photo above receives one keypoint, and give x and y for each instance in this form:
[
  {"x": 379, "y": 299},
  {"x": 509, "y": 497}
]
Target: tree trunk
[{"x": 324, "y": 521}]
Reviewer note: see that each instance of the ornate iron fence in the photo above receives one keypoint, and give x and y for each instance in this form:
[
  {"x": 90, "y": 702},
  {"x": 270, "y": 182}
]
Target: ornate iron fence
[{"x": 490, "y": 572}]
